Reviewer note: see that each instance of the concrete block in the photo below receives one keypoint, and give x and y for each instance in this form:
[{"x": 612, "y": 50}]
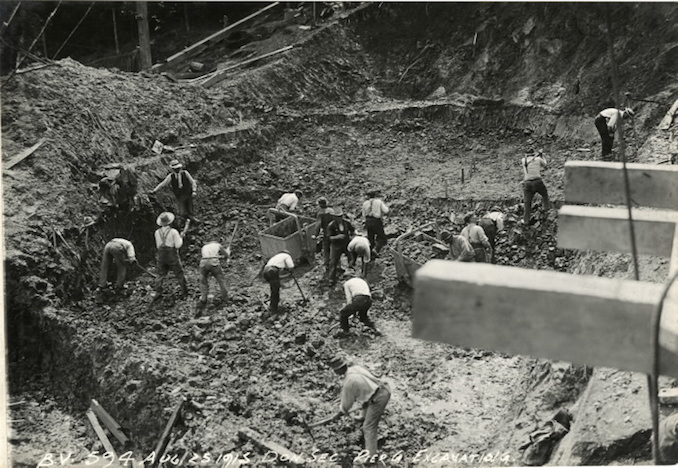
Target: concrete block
[
  {"x": 580, "y": 319},
  {"x": 651, "y": 185}
]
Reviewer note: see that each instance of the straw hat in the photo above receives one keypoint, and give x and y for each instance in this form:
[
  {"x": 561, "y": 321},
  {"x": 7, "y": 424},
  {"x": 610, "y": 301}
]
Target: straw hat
[
  {"x": 165, "y": 219},
  {"x": 175, "y": 164},
  {"x": 337, "y": 363}
]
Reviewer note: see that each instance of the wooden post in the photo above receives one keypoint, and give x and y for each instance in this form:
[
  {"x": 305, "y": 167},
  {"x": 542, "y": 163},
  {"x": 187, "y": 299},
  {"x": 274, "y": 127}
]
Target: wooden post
[
  {"x": 144, "y": 35},
  {"x": 187, "y": 24},
  {"x": 115, "y": 32}
]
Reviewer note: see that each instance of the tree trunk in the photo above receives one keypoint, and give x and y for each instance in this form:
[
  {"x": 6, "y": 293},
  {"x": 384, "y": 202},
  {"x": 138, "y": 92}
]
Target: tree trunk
[{"x": 144, "y": 35}]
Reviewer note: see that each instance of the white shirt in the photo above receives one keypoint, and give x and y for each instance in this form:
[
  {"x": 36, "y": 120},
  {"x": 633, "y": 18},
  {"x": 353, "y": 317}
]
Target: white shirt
[
  {"x": 213, "y": 250},
  {"x": 290, "y": 200},
  {"x": 129, "y": 248},
  {"x": 359, "y": 386},
  {"x": 281, "y": 260},
  {"x": 532, "y": 167},
  {"x": 171, "y": 236},
  {"x": 375, "y": 208},
  {"x": 498, "y": 218},
  {"x": 355, "y": 287},
  {"x": 612, "y": 116},
  {"x": 474, "y": 234},
  {"x": 361, "y": 246}
]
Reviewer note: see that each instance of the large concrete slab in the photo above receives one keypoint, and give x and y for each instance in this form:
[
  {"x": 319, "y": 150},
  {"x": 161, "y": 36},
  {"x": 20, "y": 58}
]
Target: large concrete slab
[
  {"x": 581, "y": 319},
  {"x": 650, "y": 185}
]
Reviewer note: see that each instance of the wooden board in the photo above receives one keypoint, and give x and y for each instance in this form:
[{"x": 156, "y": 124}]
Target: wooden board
[
  {"x": 100, "y": 432},
  {"x": 581, "y": 319},
  {"x": 222, "y": 74},
  {"x": 108, "y": 421},
  {"x": 651, "y": 185},
  {"x": 24, "y": 154},
  {"x": 607, "y": 229},
  {"x": 284, "y": 456},
  {"x": 217, "y": 36},
  {"x": 164, "y": 438}
]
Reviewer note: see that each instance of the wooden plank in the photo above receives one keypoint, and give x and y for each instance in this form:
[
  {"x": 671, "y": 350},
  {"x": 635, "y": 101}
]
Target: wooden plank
[
  {"x": 109, "y": 422},
  {"x": 162, "y": 443},
  {"x": 673, "y": 266},
  {"x": 650, "y": 185},
  {"x": 100, "y": 433},
  {"x": 581, "y": 319},
  {"x": 607, "y": 229},
  {"x": 24, "y": 154},
  {"x": 217, "y": 36},
  {"x": 284, "y": 456},
  {"x": 221, "y": 74}
]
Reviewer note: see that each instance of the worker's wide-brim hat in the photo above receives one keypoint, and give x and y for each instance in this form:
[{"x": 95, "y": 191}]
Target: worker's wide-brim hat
[
  {"x": 322, "y": 201},
  {"x": 175, "y": 164},
  {"x": 468, "y": 216},
  {"x": 165, "y": 219},
  {"x": 337, "y": 362},
  {"x": 495, "y": 208}
]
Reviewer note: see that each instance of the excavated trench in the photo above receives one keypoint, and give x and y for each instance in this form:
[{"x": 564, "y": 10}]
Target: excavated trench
[
  {"x": 315, "y": 121},
  {"x": 111, "y": 361}
]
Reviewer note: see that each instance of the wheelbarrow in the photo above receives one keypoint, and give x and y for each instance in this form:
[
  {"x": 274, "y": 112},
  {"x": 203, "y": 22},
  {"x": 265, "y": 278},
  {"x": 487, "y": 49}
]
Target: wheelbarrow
[
  {"x": 293, "y": 233},
  {"x": 406, "y": 266}
]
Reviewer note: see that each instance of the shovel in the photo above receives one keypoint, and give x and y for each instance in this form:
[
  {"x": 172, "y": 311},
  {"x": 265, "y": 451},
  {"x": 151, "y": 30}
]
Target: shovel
[
  {"x": 144, "y": 269},
  {"x": 299, "y": 287},
  {"x": 307, "y": 427}
]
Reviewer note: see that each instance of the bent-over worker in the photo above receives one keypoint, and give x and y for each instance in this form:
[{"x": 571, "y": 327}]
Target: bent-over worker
[
  {"x": 477, "y": 238},
  {"x": 460, "y": 247},
  {"x": 121, "y": 252},
  {"x": 210, "y": 265},
  {"x": 606, "y": 123},
  {"x": 359, "y": 247},
  {"x": 358, "y": 301},
  {"x": 280, "y": 261},
  {"x": 168, "y": 241},
  {"x": 492, "y": 223},
  {"x": 289, "y": 201},
  {"x": 361, "y": 387}
]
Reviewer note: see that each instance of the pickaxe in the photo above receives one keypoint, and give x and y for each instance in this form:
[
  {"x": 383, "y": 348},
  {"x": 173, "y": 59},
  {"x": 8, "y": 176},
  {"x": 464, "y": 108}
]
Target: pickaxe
[
  {"x": 303, "y": 298},
  {"x": 144, "y": 269}
]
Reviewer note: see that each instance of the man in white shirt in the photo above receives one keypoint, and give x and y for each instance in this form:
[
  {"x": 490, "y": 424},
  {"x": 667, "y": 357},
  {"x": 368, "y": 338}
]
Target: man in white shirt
[
  {"x": 168, "y": 241},
  {"x": 492, "y": 223},
  {"x": 118, "y": 251},
  {"x": 359, "y": 247},
  {"x": 532, "y": 182},
  {"x": 280, "y": 261},
  {"x": 374, "y": 210},
  {"x": 210, "y": 265},
  {"x": 358, "y": 300},
  {"x": 372, "y": 394},
  {"x": 606, "y": 122},
  {"x": 477, "y": 238},
  {"x": 289, "y": 201}
]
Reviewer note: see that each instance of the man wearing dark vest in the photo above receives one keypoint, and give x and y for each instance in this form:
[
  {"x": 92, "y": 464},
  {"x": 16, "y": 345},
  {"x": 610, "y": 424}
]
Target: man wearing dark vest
[
  {"x": 168, "y": 241},
  {"x": 183, "y": 186},
  {"x": 340, "y": 232},
  {"x": 325, "y": 216}
]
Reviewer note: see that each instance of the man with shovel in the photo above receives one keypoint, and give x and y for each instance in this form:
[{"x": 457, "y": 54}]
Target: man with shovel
[
  {"x": 364, "y": 388},
  {"x": 358, "y": 301},
  {"x": 280, "y": 261},
  {"x": 210, "y": 265},
  {"x": 120, "y": 252}
]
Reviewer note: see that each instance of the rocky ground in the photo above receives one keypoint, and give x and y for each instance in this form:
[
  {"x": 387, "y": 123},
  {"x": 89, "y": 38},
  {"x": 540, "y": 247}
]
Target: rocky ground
[{"x": 287, "y": 124}]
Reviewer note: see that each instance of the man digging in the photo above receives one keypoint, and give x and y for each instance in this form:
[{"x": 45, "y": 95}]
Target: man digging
[
  {"x": 118, "y": 251},
  {"x": 372, "y": 394},
  {"x": 210, "y": 265},
  {"x": 280, "y": 261},
  {"x": 358, "y": 301},
  {"x": 168, "y": 241}
]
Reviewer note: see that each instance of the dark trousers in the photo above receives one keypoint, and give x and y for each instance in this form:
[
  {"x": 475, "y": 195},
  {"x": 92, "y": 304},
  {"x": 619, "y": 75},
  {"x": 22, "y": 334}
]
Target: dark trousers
[
  {"x": 272, "y": 276},
  {"x": 336, "y": 251},
  {"x": 168, "y": 259},
  {"x": 113, "y": 253},
  {"x": 326, "y": 253},
  {"x": 375, "y": 233},
  {"x": 480, "y": 254},
  {"x": 211, "y": 267},
  {"x": 491, "y": 232},
  {"x": 185, "y": 206},
  {"x": 605, "y": 137},
  {"x": 530, "y": 187},
  {"x": 360, "y": 305}
]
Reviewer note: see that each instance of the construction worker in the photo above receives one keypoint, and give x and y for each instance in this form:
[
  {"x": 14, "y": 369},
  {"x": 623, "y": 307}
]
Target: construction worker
[
  {"x": 340, "y": 232},
  {"x": 325, "y": 216},
  {"x": 118, "y": 251},
  {"x": 168, "y": 241},
  {"x": 184, "y": 188},
  {"x": 532, "y": 182},
  {"x": 367, "y": 390},
  {"x": 359, "y": 247},
  {"x": 606, "y": 122},
  {"x": 492, "y": 223},
  {"x": 460, "y": 247},
  {"x": 358, "y": 301},
  {"x": 374, "y": 210},
  {"x": 280, "y": 261},
  {"x": 668, "y": 440},
  {"x": 210, "y": 265},
  {"x": 288, "y": 201},
  {"x": 475, "y": 235}
]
